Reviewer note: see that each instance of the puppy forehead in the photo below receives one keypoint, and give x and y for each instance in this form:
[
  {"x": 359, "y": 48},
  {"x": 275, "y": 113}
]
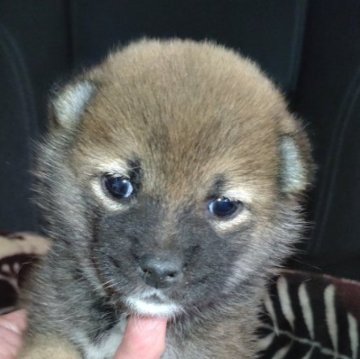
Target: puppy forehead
[
  {"x": 183, "y": 112},
  {"x": 187, "y": 161},
  {"x": 183, "y": 160},
  {"x": 181, "y": 83}
]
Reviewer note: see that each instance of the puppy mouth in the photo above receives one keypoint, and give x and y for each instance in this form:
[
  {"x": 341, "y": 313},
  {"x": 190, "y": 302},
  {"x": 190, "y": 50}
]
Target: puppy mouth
[{"x": 152, "y": 304}]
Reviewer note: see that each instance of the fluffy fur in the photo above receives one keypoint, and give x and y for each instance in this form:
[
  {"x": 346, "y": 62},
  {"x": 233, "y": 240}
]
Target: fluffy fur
[{"x": 186, "y": 122}]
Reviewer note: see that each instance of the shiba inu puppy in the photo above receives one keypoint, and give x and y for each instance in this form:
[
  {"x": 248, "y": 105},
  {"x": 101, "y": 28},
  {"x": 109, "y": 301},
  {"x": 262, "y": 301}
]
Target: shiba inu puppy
[{"x": 170, "y": 179}]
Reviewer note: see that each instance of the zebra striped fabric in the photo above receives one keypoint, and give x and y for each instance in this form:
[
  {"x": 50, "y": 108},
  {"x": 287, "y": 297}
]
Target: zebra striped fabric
[{"x": 309, "y": 316}]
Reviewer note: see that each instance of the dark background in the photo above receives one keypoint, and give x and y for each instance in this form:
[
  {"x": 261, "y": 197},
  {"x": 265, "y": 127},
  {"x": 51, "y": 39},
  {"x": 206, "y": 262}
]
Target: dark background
[{"x": 310, "y": 48}]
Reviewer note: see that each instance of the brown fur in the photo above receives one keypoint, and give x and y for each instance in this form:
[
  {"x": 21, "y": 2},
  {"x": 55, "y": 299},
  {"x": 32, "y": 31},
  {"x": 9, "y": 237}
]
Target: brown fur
[
  {"x": 45, "y": 347},
  {"x": 191, "y": 112},
  {"x": 252, "y": 111}
]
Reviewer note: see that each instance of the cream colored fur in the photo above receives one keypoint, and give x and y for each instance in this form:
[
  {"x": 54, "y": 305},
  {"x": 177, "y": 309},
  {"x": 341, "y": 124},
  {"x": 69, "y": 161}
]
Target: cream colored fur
[{"x": 43, "y": 347}]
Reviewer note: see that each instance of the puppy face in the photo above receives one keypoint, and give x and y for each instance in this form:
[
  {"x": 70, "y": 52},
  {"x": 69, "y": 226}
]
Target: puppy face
[{"x": 172, "y": 172}]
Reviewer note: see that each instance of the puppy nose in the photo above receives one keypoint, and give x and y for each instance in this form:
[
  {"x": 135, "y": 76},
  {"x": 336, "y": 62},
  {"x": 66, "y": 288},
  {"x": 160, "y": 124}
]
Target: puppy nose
[{"x": 160, "y": 273}]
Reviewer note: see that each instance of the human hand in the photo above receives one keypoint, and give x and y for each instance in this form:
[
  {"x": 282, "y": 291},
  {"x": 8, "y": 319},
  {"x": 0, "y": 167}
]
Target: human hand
[
  {"x": 144, "y": 337},
  {"x": 12, "y": 326}
]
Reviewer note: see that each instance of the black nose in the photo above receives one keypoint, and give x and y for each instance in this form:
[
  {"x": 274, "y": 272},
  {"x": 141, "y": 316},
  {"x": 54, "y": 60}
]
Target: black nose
[{"x": 160, "y": 273}]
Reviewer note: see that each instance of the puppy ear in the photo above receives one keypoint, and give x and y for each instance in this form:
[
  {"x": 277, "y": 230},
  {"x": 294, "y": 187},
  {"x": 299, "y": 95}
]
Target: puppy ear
[
  {"x": 69, "y": 103},
  {"x": 297, "y": 167}
]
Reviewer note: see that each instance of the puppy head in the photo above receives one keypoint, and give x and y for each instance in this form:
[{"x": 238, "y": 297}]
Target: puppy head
[{"x": 174, "y": 172}]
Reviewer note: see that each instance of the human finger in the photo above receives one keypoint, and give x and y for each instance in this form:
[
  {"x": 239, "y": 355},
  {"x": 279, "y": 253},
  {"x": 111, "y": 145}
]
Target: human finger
[{"x": 144, "y": 338}]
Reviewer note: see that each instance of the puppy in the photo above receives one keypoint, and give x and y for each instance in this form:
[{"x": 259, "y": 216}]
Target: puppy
[{"x": 170, "y": 179}]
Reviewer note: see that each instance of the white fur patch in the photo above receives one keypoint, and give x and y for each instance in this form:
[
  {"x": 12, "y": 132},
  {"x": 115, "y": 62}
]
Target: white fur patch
[
  {"x": 113, "y": 167},
  {"x": 71, "y": 103},
  {"x": 229, "y": 224},
  {"x": 243, "y": 194},
  {"x": 147, "y": 307},
  {"x": 293, "y": 171}
]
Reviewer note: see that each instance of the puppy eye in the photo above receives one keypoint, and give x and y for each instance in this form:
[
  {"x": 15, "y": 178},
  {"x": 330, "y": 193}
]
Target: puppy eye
[
  {"x": 223, "y": 207},
  {"x": 117, "y": 186}
]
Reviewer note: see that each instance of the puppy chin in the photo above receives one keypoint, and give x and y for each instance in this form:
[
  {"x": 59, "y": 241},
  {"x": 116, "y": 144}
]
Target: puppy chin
[{"x": 149, "y": 307}]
